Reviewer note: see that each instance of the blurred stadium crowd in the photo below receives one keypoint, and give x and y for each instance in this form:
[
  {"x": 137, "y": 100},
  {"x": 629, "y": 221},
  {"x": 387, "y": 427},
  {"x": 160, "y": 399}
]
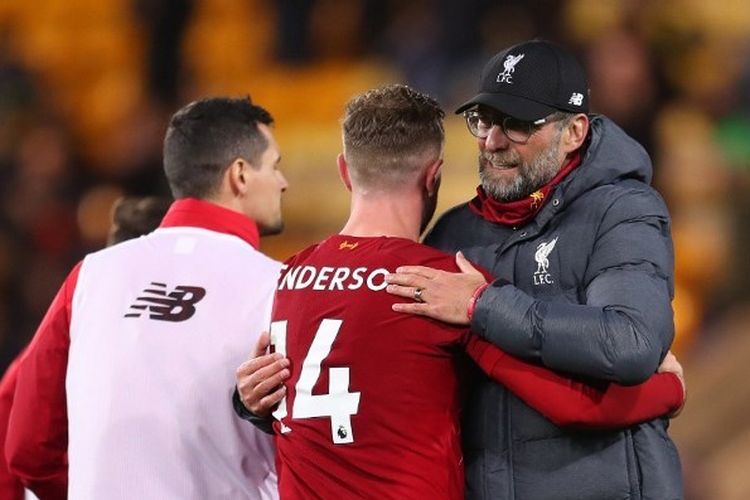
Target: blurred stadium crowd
[{"x": 87, "y": 86}]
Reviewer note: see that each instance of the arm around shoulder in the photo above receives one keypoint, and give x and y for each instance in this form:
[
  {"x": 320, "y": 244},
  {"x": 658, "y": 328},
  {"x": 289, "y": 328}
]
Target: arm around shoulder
[{"x": 568, "y": 402}]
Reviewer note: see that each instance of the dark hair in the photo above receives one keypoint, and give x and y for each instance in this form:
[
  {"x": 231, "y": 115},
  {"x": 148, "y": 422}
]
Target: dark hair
[
  {"x": 205, "y": 137},
  {"x": 136, "y": 216},
  {"x": 391, "y": 126}
]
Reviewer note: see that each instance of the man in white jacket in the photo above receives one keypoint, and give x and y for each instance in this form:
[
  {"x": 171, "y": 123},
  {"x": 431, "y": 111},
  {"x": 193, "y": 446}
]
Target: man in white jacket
[{"x": 124, "y": 391}]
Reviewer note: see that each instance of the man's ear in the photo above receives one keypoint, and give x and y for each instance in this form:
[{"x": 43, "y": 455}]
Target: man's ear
[
  {"x": 432, "y": 176},
  {"x": 575, "y": 133},
  {"x": 237, "y": 176},
  {"x": 344, "y": 171}
]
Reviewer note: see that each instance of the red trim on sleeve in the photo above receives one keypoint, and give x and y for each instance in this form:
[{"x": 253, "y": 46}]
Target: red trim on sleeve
[
  {"x": 11, "y": 487},
  {"x": 567, "y": 402},
  {"x": 37, "y": 440}
]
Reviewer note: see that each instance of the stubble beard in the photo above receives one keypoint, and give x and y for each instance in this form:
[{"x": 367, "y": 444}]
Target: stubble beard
[
  {"x": 531, "y": 175},
  {"x": 271, "y": 229}
]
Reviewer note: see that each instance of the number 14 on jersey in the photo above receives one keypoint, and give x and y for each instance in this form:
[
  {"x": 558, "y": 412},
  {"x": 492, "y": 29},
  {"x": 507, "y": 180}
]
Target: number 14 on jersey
[{"x": 339, "y": 404}]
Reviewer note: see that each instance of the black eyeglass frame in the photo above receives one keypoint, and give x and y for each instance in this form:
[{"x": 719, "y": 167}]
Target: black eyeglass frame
[{"x": 507, "y": 123}]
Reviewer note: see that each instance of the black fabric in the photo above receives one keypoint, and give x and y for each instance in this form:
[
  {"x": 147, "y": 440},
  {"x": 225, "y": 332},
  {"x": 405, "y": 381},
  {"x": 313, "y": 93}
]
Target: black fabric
[
  {"x": 532, "y": 80},
  {"x": 263, "y": 423}
]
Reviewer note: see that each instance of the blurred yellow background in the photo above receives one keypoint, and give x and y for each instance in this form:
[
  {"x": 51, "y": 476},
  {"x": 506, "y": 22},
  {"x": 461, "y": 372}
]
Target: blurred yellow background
[{"x": 87, "y": 87}]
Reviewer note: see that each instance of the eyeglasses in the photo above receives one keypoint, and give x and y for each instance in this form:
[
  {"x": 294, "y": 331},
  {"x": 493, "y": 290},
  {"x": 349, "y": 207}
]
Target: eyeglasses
[{"x": 518, "y": 131}]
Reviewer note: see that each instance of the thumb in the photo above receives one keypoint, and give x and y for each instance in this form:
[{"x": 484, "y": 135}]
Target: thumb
[
  {"x": 262, "y": 344},
  {"x": 464, "y": 265}
]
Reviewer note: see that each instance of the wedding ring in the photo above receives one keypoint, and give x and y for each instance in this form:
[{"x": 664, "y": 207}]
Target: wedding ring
[{"x": 418, "y": 295}]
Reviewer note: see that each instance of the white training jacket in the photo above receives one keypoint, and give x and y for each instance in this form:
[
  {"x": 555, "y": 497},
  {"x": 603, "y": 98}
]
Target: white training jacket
[{"x": 158, "y": 326}]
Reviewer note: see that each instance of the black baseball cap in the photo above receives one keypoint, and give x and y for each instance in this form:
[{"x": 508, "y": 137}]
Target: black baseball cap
[{"x": 532, "y": 80}]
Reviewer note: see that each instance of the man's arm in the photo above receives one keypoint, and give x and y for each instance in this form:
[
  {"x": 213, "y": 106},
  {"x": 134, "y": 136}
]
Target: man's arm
[
  {"x": 620, "y": 333},
  {"x": 11, "y": 487},
  {"x": 260, "y": 385},
  {"x": 615, "y": 342},
  {"x": 567, "y": 402},
  {"x": 625, "y": 325},
  {"x": 36, "y": 446}
]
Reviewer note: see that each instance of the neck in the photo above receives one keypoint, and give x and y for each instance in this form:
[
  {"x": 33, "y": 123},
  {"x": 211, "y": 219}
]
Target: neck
[
  {"x": 226, "y": 201},
  {"x": 376, "y": 214}
]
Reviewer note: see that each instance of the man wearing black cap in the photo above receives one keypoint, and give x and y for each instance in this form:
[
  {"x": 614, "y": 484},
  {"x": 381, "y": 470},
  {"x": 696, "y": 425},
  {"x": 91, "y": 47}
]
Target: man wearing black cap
[{"x": 580, "y": 247}]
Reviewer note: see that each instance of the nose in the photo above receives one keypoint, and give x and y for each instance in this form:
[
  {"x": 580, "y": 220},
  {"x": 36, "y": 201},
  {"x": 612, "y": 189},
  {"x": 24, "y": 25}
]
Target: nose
[
  {"x": 496, "y": 139},
  {"x": 283, "y": 182}
]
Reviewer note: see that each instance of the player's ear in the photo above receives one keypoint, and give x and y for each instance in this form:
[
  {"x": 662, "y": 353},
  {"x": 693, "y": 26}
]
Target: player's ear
[
  {"x": 344, "y": 171},
  {"x": 237, "y": 176},
  {"x": 432, "y": 176},
  {"x": 575, "y": 133}
]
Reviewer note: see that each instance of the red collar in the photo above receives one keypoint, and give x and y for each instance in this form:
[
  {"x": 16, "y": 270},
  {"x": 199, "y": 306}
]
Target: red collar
[
  {"x": 206, "y": 215},
  {"x": 519, "y": 212}
]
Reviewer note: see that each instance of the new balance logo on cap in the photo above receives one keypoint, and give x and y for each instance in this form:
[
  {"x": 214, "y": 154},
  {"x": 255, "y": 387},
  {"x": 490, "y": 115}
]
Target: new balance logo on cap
[
  {"x": 576, "y": 99},
  {"x": 177, "y": 305}
]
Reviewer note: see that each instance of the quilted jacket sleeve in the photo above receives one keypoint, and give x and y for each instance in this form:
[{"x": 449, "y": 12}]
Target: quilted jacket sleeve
[{"x": 625, "y": 325}]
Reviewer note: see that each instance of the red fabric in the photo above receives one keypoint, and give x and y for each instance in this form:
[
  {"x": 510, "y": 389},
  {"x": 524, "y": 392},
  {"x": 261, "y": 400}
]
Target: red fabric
[
  {"x": 404, "y": 369},
  {"x": 567, "y": 402},
  {"x": 199, "y": 213},
  {"x": 11, "y": 487},
  {"x": 37, "y": 441},
  {"x": 519, "y": 212},
  {"x": 406, "y": 428},
  {"x": 473, "y": 300}
]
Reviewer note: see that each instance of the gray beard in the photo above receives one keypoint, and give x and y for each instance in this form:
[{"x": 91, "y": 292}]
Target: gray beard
[{"x": 531, "y": 175}]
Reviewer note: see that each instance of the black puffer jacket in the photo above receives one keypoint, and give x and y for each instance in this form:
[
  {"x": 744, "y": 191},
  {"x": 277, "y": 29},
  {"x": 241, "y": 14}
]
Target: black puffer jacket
[{"x": 586, "y": 288}]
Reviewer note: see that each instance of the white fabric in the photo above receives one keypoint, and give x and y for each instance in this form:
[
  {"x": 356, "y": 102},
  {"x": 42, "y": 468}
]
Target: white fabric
[{"x": 149, "y": 401}]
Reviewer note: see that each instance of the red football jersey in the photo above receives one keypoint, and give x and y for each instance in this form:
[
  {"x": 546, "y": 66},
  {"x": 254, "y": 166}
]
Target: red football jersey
[{"x": 372, "y": 401}]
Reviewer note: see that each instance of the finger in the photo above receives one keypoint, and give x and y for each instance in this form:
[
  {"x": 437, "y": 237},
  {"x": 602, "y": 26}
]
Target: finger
[
  {"x": 270, "y": 384},
  {"x": 252, "y": 391},
  {"x": 425, "y": 272},
  {"x": 401, "y": 291},
  {"x": 464, "y": 265},
  {"x": 415, "y": 308},
  {"x": 665, "y": 366},
  {"x": 261, "y": 345},
  {"x": 253, "y": 365},
  {"x": 412, "y": 280},
  {"x": 267, "y": 372},
  {"x": 670, "y": 365},
  {"x": 265, "y": 405}
]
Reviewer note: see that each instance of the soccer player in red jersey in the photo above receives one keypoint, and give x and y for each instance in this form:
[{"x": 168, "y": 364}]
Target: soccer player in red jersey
[{"x": 372, "y": 397}]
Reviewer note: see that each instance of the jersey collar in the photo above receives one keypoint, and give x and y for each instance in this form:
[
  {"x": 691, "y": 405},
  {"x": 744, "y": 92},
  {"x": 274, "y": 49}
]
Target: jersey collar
[{"x": 206, "y": 215}]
